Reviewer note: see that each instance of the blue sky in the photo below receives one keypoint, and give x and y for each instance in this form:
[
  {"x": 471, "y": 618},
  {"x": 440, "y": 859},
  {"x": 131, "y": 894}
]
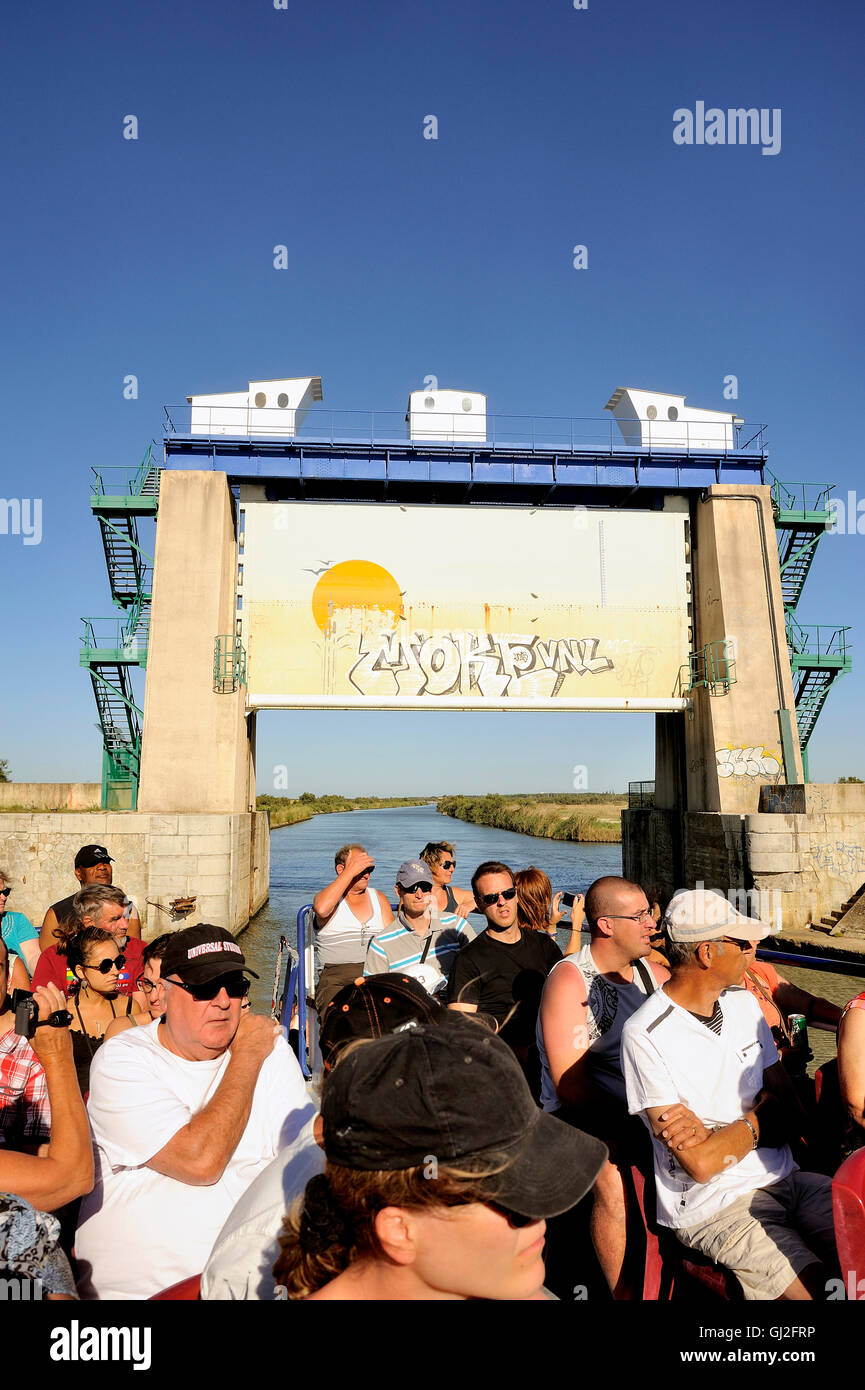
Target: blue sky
[{"x": 411, "y": 257}]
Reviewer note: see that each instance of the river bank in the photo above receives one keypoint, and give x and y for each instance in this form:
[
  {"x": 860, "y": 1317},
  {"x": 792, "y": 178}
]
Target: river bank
[
  {"x": 581, "y": 818},
  {"x": 285, "y": 810}
]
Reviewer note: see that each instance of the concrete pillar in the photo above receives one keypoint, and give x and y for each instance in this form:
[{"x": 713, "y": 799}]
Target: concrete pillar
[
  {"x": 196, "y": 753},
  {"x": 734, "y": 742}
]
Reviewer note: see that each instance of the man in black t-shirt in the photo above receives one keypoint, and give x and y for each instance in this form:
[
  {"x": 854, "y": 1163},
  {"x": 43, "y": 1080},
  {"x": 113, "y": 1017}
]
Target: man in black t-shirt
[
  {"x": 502, "y": 972},
  {"x": 92, "y": 866}
]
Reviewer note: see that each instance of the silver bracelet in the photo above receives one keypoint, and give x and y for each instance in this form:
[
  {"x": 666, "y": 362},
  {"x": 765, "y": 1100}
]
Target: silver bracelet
[{"x": 746, "y": 1121}]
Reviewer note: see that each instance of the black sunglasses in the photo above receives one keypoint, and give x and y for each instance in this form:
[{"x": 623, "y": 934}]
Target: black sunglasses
[
  {"x": 513, "y": 1218},
  {"x": 105, "y": 967},
  {"x": 4, "y": 892},
  {"x": 487, "y": 899},
  {"x": 448, "y": 864},
  {"x": 235, "y": 987},
  {"x": 424, "y": 888}
]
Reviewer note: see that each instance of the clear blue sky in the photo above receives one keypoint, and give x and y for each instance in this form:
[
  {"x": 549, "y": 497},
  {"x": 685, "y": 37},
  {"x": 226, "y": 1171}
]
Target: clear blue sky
[{"x": 304, "y": 127}]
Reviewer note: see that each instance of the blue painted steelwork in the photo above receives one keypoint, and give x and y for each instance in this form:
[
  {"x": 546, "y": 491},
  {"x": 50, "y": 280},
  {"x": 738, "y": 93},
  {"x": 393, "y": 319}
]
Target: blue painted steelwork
[
  {"x": 528, "y": 460},
  {"x": 295, "y": 991}
]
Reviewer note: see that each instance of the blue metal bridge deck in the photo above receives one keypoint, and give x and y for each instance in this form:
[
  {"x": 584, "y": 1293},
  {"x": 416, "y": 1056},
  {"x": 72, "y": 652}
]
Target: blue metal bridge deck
[{"x": 557, "y": 462}]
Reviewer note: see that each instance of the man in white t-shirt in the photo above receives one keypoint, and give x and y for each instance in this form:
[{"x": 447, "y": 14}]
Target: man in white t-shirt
[
  {"x": 185, "y": 1113},
  {"x": 726, "y": 1179}
]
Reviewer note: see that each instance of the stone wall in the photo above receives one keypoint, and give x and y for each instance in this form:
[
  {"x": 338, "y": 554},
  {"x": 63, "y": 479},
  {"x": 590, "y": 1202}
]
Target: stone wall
[
  {"x": 51, "y": 796},
  {"x": 220, "y": 859},
  {"x": 803, "y": 865}
]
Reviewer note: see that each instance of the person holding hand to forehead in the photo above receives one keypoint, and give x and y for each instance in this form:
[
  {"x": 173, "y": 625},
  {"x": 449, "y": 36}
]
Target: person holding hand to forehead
[{"x": 347, "y": 913}]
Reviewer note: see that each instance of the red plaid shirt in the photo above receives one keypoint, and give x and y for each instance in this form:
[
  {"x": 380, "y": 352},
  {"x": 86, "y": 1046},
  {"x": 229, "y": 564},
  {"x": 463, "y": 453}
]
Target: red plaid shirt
[{"x": 24, "y": 1109}]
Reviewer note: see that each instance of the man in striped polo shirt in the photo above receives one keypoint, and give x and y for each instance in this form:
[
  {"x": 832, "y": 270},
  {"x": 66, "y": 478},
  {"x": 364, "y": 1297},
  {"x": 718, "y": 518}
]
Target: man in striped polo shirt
[{"x": 424, "y": 942}]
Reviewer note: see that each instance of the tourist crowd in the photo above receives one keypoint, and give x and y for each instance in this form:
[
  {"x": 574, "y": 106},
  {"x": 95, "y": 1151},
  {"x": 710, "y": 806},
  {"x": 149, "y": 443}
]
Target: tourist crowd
[{"x": 495, "y": 1118}]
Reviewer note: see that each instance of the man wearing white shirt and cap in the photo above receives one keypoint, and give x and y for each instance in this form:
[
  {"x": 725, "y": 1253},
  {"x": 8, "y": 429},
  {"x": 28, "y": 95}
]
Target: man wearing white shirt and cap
[{"x": 726, "y": 1180}]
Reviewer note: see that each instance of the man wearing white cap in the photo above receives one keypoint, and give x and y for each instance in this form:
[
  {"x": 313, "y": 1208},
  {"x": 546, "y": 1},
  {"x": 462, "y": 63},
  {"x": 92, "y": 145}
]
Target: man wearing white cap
[{"x": 730, "y": 1188}]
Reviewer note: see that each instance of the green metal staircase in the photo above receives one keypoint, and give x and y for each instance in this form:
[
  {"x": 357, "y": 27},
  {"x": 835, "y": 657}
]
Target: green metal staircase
[
  {"x": 819, "y": 654},
  {"x": 113, "y": 648}
]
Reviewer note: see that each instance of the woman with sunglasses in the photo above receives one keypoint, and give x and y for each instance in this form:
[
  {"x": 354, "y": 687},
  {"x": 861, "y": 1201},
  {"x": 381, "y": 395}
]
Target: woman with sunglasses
[
  {"x": 19, "y": 933},
  {"x": 94, "y": 960},
  {"x": 440, "y": 1175},
  {"x": 440, "y": 856}
]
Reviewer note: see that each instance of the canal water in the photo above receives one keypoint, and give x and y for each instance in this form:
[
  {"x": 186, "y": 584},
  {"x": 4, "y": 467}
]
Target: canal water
[{"x": 301, "y": 862}]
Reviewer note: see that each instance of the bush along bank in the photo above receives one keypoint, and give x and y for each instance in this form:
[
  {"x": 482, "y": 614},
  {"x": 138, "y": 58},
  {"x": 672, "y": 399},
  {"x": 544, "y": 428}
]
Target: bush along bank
[{"x": 589, "y": 819}]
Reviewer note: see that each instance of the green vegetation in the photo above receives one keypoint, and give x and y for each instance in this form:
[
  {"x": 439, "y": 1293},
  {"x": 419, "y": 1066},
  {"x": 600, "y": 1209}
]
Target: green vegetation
[
  {"x": 840, "y": 779},
  {"x": 286, "y": 810},
  {"x": 4, "y": 770},
  {"x": 550, "y": 815}
]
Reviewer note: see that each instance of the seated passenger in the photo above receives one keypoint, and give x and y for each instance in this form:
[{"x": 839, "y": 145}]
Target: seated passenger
[
  {"x": 96, "y": 906},
  {"x": 25, "y": 1115},
  {"x": 65, "y": 1169},
  {"x": 778, "y": 999},
  {"x": 18, "y": 932},
  {"x": 346, "y": 914},
  {"x": 185, "y": 1113},
  {"x": 538, "y": 910},
  {"x": 587, "y": 999},
  {"x": 93, "y": 958},
  {"x": 149, "y": 984},
  {"x": 440, "y": 1173},
  {"x": 851, "y": 1069},
  {"x": 423, "y": 942},
  {"x": 441, "y": 858},
  {"x": 502, "y": 972},
  {"x": 30, "y": 1253},
  {"x": 725, "y": 1178},
  {"x": 241, "y": 1262},
  {"x": 92, "y": 866}
]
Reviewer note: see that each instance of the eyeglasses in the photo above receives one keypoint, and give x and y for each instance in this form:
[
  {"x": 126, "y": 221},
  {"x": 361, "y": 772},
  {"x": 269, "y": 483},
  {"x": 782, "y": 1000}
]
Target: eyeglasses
[
  {"x": 731, "y": 941},
  {"x": 235, "y": 987},
  {"x": 448, "y": 864},
  {"x": 105, "y": 967},
  {"x": 513, "y": 1218},
  {"x": 634, "y": 917},
  {"x": 4, "y": 892},
  {"x": 147, "y": 986},
  {"x": 416, "y": 888},
  {"x": 487, "y": 899}
]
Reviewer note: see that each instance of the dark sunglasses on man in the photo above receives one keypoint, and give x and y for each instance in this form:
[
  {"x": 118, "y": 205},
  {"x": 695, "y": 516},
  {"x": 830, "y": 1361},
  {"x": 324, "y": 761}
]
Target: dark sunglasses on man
[
  {"x": 487, "y": 899},
  {"x": 235, "y": 986}
]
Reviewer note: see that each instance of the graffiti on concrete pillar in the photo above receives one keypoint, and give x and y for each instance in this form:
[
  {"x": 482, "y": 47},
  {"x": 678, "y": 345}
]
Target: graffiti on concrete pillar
[
  {"x": 758, "y": 761},
  {"x": 839, "y": 858}
]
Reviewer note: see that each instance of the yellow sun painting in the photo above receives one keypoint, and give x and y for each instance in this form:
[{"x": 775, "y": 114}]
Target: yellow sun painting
[{"x": 354, "y": 584}]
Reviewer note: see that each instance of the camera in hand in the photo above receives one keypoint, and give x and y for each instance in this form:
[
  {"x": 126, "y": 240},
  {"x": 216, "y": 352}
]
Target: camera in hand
[
  {"x": 568, "y": 899},
  {"x": 27, "y": 1014}
]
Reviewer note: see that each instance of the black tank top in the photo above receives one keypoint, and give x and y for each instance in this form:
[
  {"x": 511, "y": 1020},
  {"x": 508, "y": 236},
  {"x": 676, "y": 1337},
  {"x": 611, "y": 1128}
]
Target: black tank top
[
  {"x": 450, "y": 900},
  {"x": 85, "y": 1046}
]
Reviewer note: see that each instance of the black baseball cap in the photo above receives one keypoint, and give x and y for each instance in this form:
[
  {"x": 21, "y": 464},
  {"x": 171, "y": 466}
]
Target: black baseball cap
[
  {"x": 203, "y": 953},
  {"x": 456, "y": 1093},
  {"x": 90, "y": 855},
  {"x": 372, "y": 1007}
]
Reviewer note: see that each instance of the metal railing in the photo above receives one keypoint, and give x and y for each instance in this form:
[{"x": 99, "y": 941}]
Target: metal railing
[
  {"x": 114, "y": 640},
  {"x": 712, "y": 667},
  {"x": 817, "y": 639},
  {"x": 590, "y": 434},
  {"x": 123, "y": 481},
  {"x": 229, "y": 664},
  {"x": 640, "y": 794},
  {"x": 799, "y": 497}
]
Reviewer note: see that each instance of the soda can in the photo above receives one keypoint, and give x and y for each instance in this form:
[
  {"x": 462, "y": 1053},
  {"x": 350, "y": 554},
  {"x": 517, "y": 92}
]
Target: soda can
[{"x": 798, "y": 1025}]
